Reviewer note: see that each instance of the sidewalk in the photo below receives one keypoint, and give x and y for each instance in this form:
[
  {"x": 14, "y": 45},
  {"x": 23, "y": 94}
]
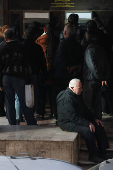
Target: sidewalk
[{"x": 47, "y": 121}]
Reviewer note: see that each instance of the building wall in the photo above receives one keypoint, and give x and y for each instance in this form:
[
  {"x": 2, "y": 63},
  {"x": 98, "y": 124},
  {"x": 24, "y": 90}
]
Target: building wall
[
  {"x": 61, "y": 4},
  {"x": 103, "y": 8},
  {"x": 13, "y": 10},
  {"x": 1, "y": 12}
]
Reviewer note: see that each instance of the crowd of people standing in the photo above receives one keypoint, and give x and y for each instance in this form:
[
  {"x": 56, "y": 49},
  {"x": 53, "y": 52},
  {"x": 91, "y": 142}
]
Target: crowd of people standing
[
  {"x": 32, "y": 59},
  {"x": 79, "y": 60}
]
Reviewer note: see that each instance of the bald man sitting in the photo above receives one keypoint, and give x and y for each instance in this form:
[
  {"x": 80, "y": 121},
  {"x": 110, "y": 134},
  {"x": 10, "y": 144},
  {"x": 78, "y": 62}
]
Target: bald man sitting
[{"x": 73, "y": 116}]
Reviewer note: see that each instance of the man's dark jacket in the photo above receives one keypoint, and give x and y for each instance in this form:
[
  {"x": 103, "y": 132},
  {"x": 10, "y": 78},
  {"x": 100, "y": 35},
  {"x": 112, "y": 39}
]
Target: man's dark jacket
[
  {"x": 35, "y": 55},
  {"x": 70, "y": 110},
  {"x": 13, "y": 62},
  {"x": 96, "y": 64},
  {"x": 69, "y": 54}
]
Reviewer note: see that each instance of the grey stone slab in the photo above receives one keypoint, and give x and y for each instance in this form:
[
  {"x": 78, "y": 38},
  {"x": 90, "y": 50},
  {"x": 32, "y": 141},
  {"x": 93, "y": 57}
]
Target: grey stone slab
[
  {"x": 5, "y": 131},
  {"x": 62, "y": 150},
  {"x": 44, "y": 134},
  {"x": 64, "y": 136},
  {"x": 25, "y": 135},
  {"x": 40, "y": 149},
  {"x": 13, "y": 148},
  {"x": 39, "y": 141},
  {"x": 23, "y": 132},
  {"x": 2, "y": 147},
  {"x": 7, "y": 128}
]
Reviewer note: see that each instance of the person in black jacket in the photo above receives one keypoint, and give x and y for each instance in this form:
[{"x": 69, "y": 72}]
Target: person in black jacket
[
  {"x": 15, "y": 72},
  {"x": 35, "y": 55},
  {"x": 95, "y": 74},
  {"x": 2, "y": 95},
  {"x": 73, "y": 116}
]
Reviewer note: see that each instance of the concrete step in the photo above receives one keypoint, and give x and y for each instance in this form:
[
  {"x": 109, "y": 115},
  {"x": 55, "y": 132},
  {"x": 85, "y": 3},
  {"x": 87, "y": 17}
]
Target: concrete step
[
  {"x": 85, "y": 164},
  {"x": 85, "y": 161},
  {"x": 38, "y": 141}
]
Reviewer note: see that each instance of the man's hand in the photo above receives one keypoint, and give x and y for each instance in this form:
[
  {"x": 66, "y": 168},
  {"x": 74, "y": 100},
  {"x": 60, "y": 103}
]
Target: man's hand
[
  {"x": 99, "y": 122},
  {"x": 92, "y": 127},
  {"x": 1, "y": 89},
  {"x": 104, "y": 82}
]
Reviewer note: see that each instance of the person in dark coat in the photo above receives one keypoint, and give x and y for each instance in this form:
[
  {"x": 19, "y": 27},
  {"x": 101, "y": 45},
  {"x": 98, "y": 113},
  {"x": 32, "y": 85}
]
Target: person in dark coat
[
  {"x": 95, "y": 74},
  {"x": 2, "y": 95},
  {"x": 73, "y": 116},
  {"x": 35, "y": 55},
  {"x": 15, "y": 72},
  {"x": 69, "y": 57}
]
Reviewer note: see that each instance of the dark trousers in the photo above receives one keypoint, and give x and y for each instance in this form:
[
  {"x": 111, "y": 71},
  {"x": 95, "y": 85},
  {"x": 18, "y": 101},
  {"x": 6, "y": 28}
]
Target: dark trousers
[
  {"x": 92, "y": 97},
  {"x": 91, "y": 138},
  {"x": 107, "y": 99},
  {"x": 2, "y": 101},
  {"x": 12, "y": 85}
]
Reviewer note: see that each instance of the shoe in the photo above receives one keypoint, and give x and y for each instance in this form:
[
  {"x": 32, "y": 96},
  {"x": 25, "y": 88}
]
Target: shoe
[
  {"x": 95, "y": 159},
  {"x": 56, "y": 123},
  {"x": 104, "y": 113},
  {"x": 17, "y": 122}
]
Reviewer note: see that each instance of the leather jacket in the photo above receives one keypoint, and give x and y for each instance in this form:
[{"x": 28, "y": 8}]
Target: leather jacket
[{"x": 96, "y": 64}]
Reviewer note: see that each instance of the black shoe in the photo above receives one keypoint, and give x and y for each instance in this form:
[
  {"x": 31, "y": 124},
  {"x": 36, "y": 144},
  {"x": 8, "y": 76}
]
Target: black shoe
[
  {"x": 56, "y": 123},
  {"x": 95, "y": 159},
  {"x": 17, "y": 122}
]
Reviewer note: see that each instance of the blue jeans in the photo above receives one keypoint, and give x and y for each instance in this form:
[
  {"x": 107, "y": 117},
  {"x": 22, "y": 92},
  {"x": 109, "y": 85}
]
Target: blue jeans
[
  {"x": 11, "y": 86},
  {"x": 18, "y": 108}
]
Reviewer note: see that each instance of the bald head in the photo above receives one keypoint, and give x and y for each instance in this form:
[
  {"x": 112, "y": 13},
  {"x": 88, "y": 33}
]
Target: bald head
[
  {"x": 76, "y": 86},
  {"x": 69, "y": 30}
]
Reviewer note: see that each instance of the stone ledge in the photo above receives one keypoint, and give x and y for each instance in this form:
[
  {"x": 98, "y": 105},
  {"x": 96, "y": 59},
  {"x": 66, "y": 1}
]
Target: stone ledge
[{"x": 46, "y": 142}]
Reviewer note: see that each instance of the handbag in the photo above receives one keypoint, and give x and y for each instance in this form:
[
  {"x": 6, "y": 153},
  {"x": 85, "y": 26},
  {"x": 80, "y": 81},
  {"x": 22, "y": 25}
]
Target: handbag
[{"x": 29, "y": 95}]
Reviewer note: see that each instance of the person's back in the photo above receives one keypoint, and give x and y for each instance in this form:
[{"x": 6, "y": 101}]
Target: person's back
[
  {"x": 35, "y": 55},
  {"x": 15, "y": 73},
  {"x": 69, "y": 54},
  {"x": 13, "y": 62},
  {"x": 34, "y": 52},
  {"x": 73, "y": 19}
]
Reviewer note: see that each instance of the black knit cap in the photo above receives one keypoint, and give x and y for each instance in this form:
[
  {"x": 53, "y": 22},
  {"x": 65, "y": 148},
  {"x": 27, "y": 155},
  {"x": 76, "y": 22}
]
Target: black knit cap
[
  {"x": 30, "y": 33},
  {"x": 35, "y": 25},
  {"x": 73, "y": 19}
]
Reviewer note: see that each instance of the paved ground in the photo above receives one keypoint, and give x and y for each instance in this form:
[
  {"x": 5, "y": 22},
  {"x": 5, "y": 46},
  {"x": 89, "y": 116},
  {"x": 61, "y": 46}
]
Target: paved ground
[
  {"x": 47, "y": 120},
  {"x": 40, "y": 121}
]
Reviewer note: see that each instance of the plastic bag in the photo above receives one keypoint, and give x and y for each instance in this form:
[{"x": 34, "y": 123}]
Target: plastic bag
[{"x": 29, "y": 95}]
